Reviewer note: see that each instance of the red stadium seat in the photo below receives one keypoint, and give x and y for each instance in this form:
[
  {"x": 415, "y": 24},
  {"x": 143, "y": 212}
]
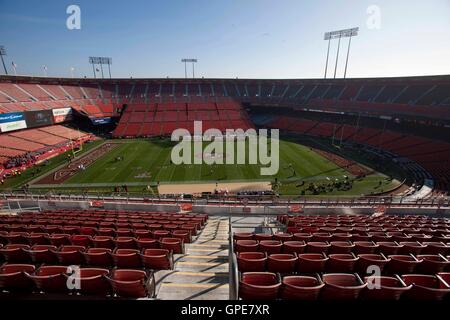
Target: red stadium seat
[
  {"x": 71, "y": 255},
  {"x": 124, "y": 232},
  {"x": 263, "y": 236},
  {"x": 367, "y": 260},
  {"x": 88, "y": 231},
  {"x": 127, "y": 258},
  {"x": 17, "y": 237},
  {"x": 341, "y": 247},
  {"x": 343, "y": 262},
  {"x": 388, "y": 247},
  {"x": 59, "y": 239},
  {"x": 106, "y": 232},
  {"x": 103, "y": 242},
  {"x": 321, "y": 237},
  {"x": 411, "y": 247},
  {"x": 432, "y": 264},
  {"x": 340, "y": 286},
  {"x": 270, "y": 246},
  {"x": 70, "y": 230},
  {"x": 435, "y": 248},
  {"x": 12, "y": 277},
  {"x": 125, "y": 243},
  {"x": 157, "y": 259},
  {"x": 341, "y": 236},
  {"x": 365, "y": 247},
  {"x": 251, "y": 261},
  {"x": 158, "y": 234},
  {"x": 384, "y": 288},
  {"x": 146, "y": 243},
  {"x": 81, "y": 240},
  {"x": 306, "y": 237},
  {"x": 50, "y": 278},
  {"x": 172, "y": 244},
  {"x": 317, "y": 247},
  {"x": 15, "y": 253},
  {"x": 425, "y": 287},
  {"x": 246, "y": 246},
  {"x": 301, "y": 288},
  {"x": 129, "y": 283},
  {"x": 37, "y": 238},
  {"x": 311, "y": 262},
  {"x": 402, "y": 264},
  {"x": 259, "y": 286},
  {"x": 185, "y": 235},
  {"x": 294, "y": 246},
  {"x": 43, "y": 254},
  {"x": 283, "y": 263},
  {"x": 98, "y": 257},
  {"x": 93, "y": 281}
]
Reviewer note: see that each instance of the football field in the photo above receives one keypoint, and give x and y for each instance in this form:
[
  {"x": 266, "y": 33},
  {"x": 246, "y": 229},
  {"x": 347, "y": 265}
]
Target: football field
[{"x": 147, "y": 162}]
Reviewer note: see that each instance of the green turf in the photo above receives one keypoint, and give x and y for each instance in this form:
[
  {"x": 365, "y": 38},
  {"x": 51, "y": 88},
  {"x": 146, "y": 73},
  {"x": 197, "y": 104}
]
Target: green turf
[{"x": 148, "y": 162}]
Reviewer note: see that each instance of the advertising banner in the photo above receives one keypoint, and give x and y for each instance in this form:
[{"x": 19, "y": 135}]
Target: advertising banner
[
  {"x": 39, "y": 118},
  {"x": 62, "y": 115},
  {"x": 98, "y": 121},
  {"x": 12, "y": 121}
]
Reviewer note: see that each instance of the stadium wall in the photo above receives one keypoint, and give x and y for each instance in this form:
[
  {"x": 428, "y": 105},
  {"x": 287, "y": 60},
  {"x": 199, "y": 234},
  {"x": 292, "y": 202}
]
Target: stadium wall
[{"x": 220, "y": 210}]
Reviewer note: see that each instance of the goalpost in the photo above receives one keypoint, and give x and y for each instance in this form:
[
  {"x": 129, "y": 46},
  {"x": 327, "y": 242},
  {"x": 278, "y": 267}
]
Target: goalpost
[{"x": 75, "y": 152}]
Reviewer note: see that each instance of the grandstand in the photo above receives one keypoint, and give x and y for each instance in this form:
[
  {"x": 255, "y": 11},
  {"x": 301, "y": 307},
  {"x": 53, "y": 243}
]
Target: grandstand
[
  {"x": 155, "y": 107},
  {"x": 257, "y": 246}
]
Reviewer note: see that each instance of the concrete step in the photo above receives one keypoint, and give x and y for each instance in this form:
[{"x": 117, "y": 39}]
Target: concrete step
[
  {"x": 203, "y": 258},
  {"x": 199, "y": 251},
  {"x": 196, "y": 291},
  {"x": 174, "y": 276},
  {"x": 202, "y": 266}
]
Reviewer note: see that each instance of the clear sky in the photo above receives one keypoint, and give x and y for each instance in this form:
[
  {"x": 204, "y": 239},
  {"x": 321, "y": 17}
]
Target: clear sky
[{"x": 230, "y": 38}]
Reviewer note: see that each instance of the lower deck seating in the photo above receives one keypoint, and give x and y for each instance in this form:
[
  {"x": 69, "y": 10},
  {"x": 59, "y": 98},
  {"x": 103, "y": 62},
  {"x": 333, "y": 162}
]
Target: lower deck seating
[
  {"x": 117, "y": 253},
  {"x": 22, "y": 147},
  {"x": 334, "y": 257},
  {"x": 422, "y": 150}
]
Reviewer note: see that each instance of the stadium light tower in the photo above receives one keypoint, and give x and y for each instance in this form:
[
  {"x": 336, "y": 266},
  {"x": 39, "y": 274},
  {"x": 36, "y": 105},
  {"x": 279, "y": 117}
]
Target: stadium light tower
[
  {"x": 347, "y": 33},
  {"x": 3, "y": 53},
  {"x": 101, "y": 61},
  {"x": 185, "y": 61}
]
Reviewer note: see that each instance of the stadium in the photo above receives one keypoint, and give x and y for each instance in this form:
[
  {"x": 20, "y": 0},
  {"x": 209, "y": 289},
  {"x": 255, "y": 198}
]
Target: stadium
[{"x": 94, "y": 204}]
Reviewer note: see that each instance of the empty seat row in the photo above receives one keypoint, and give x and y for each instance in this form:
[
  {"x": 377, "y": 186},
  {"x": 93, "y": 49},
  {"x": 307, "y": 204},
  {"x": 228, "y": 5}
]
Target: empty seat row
[
  {"x": 106, "y": 229},
  {"x": 79, "y": 255},
  {"x": 85, "y": 281},
  {"x": 357, "y": 247},
  {"x": 341, "y": 286},
  {"x": 318, "y": 262},
  {"x": 87, "y": 239},
  {"x": 439, "y": 235}
]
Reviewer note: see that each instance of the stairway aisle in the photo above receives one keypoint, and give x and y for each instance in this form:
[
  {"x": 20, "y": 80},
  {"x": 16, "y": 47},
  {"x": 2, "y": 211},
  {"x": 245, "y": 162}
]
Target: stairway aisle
[{"x": 202, "y": 272}]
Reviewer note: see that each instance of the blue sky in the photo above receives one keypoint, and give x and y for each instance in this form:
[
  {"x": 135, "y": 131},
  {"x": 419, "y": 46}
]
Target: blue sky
[{"x": 230, "y": 38}]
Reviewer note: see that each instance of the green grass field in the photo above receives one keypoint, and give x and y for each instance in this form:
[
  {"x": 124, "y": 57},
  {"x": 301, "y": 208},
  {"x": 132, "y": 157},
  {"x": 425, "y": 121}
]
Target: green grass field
[{"x": 147, "y": 162}]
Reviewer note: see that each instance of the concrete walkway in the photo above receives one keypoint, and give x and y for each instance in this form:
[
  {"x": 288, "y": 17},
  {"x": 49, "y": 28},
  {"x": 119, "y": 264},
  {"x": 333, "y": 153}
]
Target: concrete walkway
[{"x": 202, "y": 272}]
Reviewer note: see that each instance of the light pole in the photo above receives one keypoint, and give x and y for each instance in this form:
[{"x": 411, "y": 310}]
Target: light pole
[
  {"x": 45, "y": 70},
  {"x": 14, "y": 68},
  {"x": 347, "y": 33},
  {"x": 101, "y": 61},
  {"x": 185, "y": 61},
  {"x": 3, "y": 53},
  {"x": 72, "y": 69}
]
